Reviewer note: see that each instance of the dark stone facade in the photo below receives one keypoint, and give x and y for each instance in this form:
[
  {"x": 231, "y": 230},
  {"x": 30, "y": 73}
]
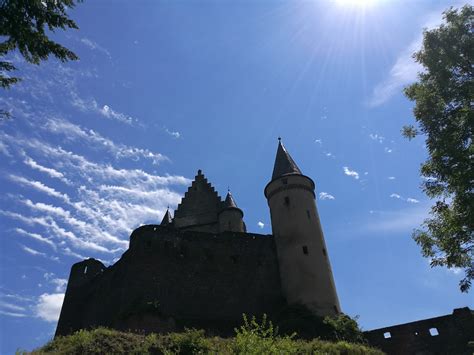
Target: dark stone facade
[
  {"x": 169, "y": 279},
  {"x": 448, "y": 334}
]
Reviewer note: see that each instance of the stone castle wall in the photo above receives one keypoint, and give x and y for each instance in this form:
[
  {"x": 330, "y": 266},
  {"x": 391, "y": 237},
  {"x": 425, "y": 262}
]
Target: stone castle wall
[
  {"x": 448, "y": 334},
  {"x": 169, "y": 279}
]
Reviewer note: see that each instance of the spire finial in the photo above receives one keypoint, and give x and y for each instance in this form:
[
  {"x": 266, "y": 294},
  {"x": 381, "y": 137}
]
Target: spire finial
[{"x": 279, "y": 139}]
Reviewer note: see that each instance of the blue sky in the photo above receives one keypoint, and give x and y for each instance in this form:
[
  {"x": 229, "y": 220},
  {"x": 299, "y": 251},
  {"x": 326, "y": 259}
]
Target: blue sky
[{"x": 100, "y": 146}]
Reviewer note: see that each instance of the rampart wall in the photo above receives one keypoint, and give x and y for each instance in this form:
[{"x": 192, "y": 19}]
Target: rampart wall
[{"x": 170, "y": 279}]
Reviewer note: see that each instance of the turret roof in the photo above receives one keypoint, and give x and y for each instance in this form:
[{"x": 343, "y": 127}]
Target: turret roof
[
  {"x": 284, "y": 164},
  {"x": 167, "y": 220},
  {"x": 229, "y": 201}
]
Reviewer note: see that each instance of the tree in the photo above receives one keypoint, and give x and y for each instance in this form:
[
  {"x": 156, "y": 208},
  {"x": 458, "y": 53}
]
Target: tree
[
  {"x": 24, "y": 25},
  {"x": 444, "y": 100}
]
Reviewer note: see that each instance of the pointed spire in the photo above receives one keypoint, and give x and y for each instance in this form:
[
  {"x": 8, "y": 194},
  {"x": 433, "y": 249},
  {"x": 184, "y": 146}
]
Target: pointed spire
[
  {"x": 229, "y": 201},
  {"x": 167, "y": 220},
  {"x": 284, "y": 164}
]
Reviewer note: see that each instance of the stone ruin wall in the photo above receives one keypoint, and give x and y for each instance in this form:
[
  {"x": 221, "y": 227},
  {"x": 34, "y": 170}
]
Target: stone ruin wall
[
  {"x": 448, "y": 334},
  {"x": 169, "y": 279}
]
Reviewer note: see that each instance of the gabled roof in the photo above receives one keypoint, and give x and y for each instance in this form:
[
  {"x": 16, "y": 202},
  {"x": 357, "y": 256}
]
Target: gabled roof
[
  {"x": 284, "y": 164},
  {"x": 167, "y": 220}
]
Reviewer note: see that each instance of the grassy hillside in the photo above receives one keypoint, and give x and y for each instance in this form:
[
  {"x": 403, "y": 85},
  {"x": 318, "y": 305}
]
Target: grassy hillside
[{"x": 246, "y": 341}]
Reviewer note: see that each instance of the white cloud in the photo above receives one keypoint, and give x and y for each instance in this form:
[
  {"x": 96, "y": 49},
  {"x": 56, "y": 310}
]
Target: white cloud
[
  {"x": 94, "y": 46},
  {"x": 39, "y": 186},
  {"x": 74, "y": 132},
  {"x": 350, "y": 172},
  {"x": 173, "y": 134},
  {"x": 326, "y": 196},
  {"x": 109, "y": 113},
  {"x": 388, "y": 150},
  {"x": 376, "y": 137},
  {"x": 11, "y": 306},
  {"x": 12, "y": 314},
  {"x": 404, "y": 71},
  {"x": 391, "y": 178},
  {"x": 48, "y": 306},
  {"x": 260, "y": 225},
  {"x": 49, "y": 171},
  {"x": 37, "y": 237},
  {"x": 409, "y": 199},
  {"x": 32, "y": 251},
  {"x": 319, "y": 141}
]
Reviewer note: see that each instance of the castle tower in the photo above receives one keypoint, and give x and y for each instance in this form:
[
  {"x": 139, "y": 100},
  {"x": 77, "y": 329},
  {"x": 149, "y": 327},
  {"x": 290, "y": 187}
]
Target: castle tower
[
  {"x": 231, "y": 217},
  {"x": 305, "y": 270}
]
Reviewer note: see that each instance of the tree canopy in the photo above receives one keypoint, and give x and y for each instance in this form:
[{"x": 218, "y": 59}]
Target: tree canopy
[
  {"x": 444, "y": 100},
  {"x": 25, "y": 25}
]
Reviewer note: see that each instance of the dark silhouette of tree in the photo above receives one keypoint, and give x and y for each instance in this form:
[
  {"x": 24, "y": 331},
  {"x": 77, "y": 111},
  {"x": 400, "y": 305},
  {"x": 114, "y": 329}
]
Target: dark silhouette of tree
[
  {"x": 24, "y": 25},
  {"x": 444, "y": 100}
]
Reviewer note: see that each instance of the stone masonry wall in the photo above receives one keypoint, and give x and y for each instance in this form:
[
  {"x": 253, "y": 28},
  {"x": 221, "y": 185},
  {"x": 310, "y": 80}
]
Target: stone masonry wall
[
  {"x": 170, "y": 279},
  {"x": 448, "y": 334}
]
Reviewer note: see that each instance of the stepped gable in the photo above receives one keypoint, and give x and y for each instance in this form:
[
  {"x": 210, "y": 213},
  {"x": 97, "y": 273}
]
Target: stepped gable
[
  {"x": 199, "y": 206},
  {"x": 284, "y": 163}
]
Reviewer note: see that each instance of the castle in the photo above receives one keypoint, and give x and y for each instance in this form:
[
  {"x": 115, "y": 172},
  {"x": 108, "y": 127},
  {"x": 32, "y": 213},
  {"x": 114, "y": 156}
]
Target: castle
[{"x": 202, "y": 269}]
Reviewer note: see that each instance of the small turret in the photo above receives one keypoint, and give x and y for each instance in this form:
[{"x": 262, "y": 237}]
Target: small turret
[
  {"x": 231, "y": 217},
  {"x": 167, "y": 220}
]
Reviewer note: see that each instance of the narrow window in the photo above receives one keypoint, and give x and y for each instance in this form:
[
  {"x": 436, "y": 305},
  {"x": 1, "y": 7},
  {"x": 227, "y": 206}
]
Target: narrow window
[
  {"x": 284, "y": 181},
  {"x": 287, "y": 201},
  {"x": 387, "y": 335},
  {"x": 434, "y": 332},
  {"x": 85, "y": 270},
  {"x": 307, "y": 213},
  {"x": 229, "y": 226},
  {"x": 305, "y": 250},
  {"x": 183, "y": 251},
  {"x": 148, "y": 244},
  {"x": 324, "y": 252},
  {"x": 336, "y": 309},
  {"x": 234, "y": 259}
]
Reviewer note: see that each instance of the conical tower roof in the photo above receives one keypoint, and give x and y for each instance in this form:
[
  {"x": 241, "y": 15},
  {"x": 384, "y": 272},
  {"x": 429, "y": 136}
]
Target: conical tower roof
[
  {"x": 167, "y": 220},
  {"x": 229, "y": 201},
  {"x": 284, "y": 163}
]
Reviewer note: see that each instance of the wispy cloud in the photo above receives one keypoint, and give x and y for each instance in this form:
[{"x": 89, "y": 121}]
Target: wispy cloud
[
  {"x": 326, "y": 196},
  {"x": 350, "y": 172},
  {"x": 32, "y": 251},
  {"x": 392, "y": 222},
  {"x": 174, "y": 134},
  {"x": 405, "y": 70},
  {"x": 399, "y": 197},
  {"x": 260, "y": 224},
  {"x": 376, "y": 137},
  {"x": 95, "y": 46}
]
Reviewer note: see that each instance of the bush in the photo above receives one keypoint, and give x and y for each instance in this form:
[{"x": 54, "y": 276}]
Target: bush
[{"x": 300, "y": 320}]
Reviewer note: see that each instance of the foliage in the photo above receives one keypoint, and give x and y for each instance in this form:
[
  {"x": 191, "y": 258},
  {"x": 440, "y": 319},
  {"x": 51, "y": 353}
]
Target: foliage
[
  {"x": 444, "y": 114},
  {"x": 25, "y": 25},
  {"x": 299, "y": 319},
  {"x": 261, "y": 338},
  {"x": 252, "y": 337}
]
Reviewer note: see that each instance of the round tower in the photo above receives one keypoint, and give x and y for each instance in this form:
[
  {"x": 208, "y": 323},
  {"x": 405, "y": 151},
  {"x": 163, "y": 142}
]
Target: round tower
[
  {"x": 231, "y": 217},
  {"x": 305, "y": 270}
]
